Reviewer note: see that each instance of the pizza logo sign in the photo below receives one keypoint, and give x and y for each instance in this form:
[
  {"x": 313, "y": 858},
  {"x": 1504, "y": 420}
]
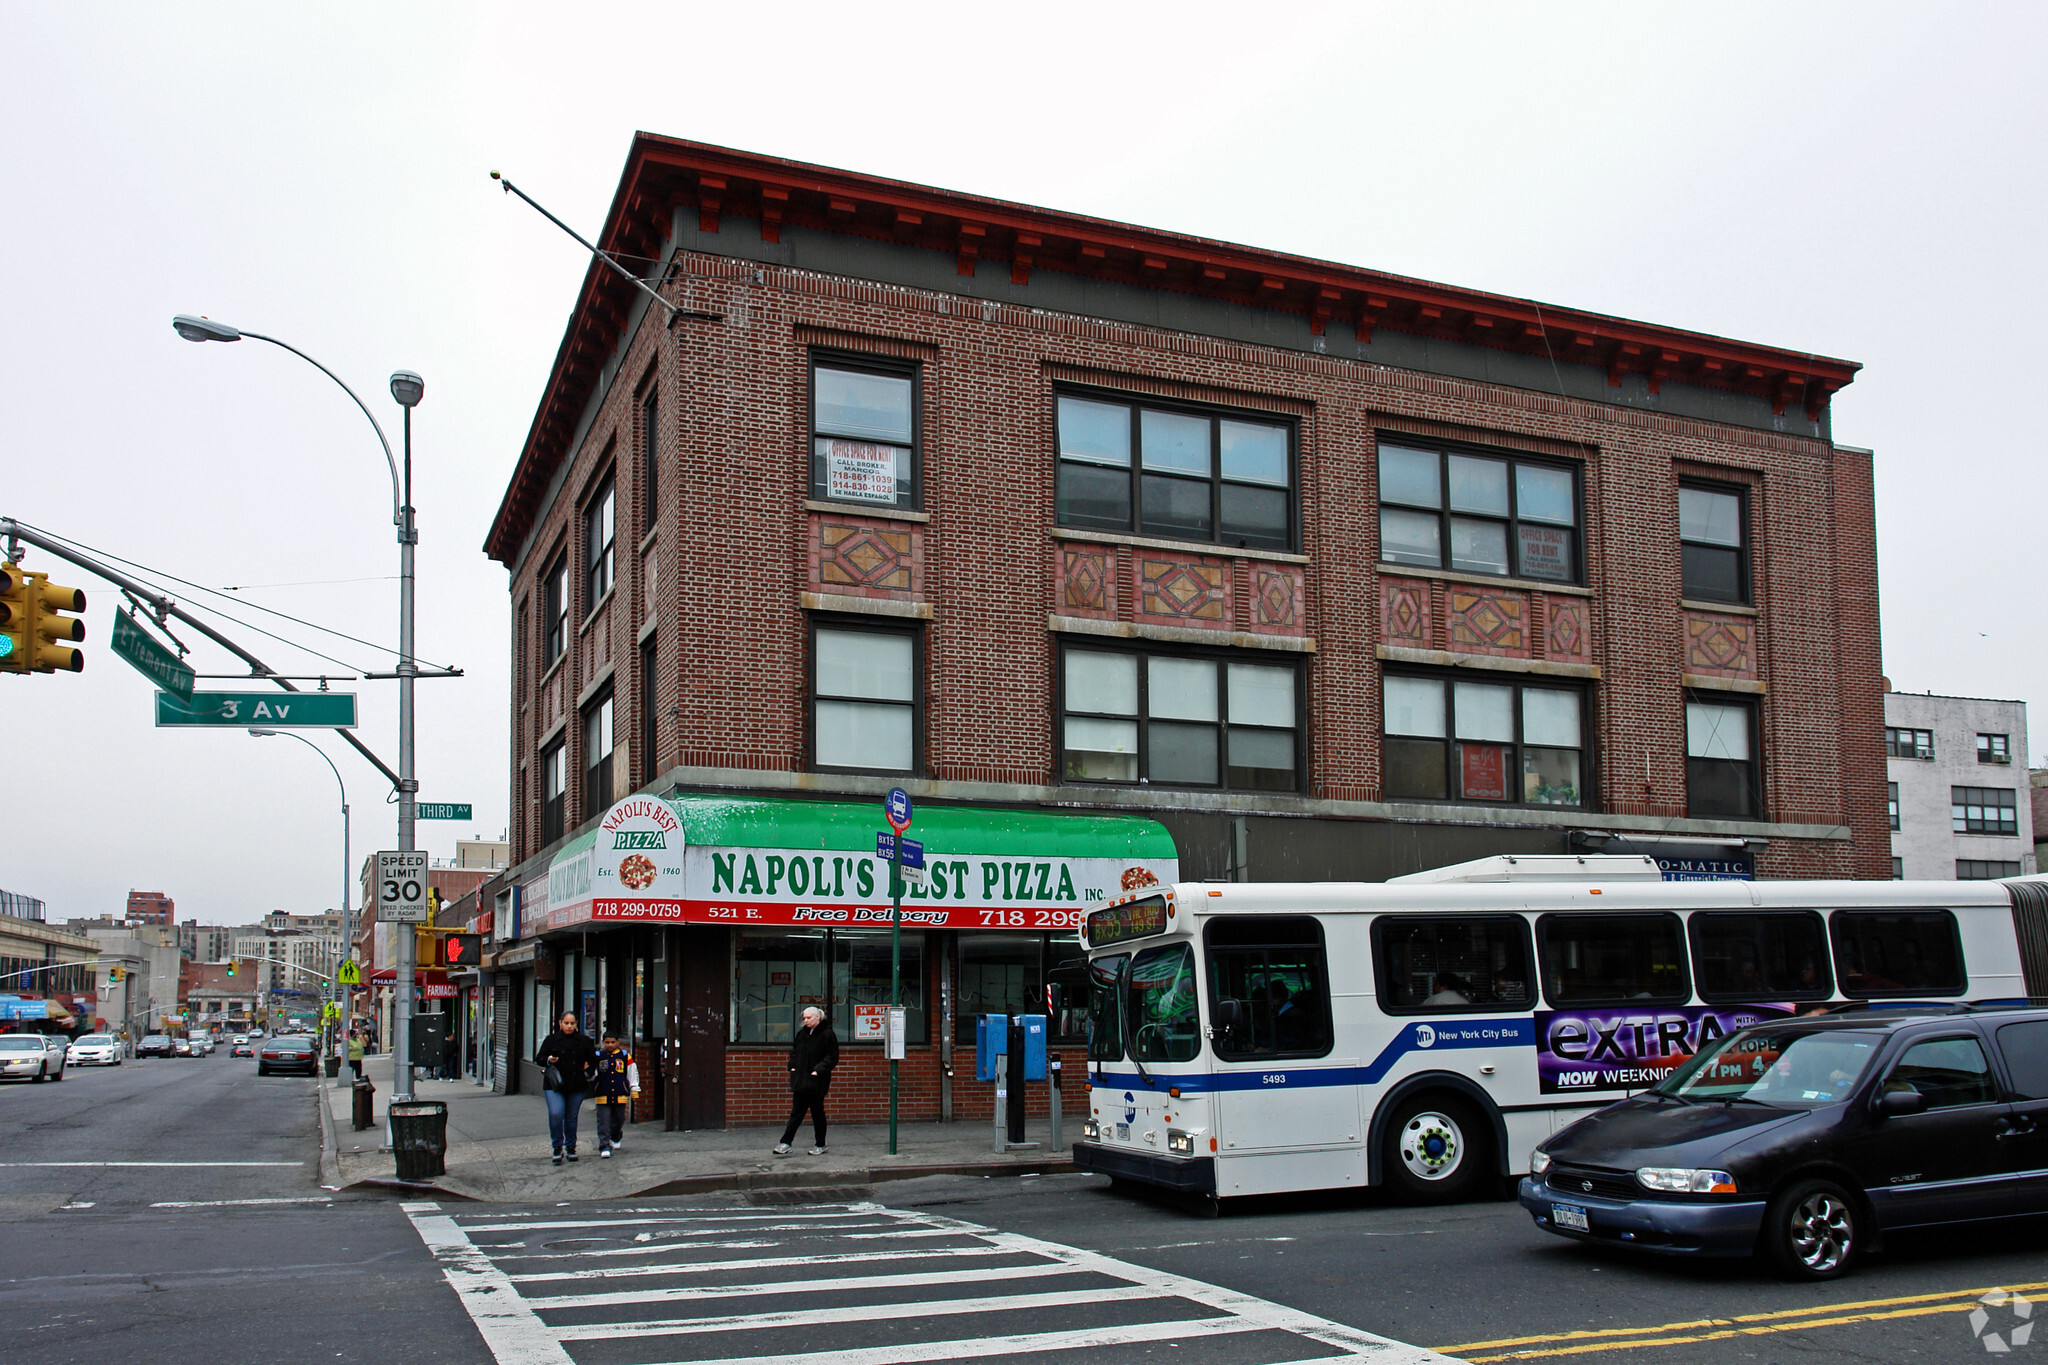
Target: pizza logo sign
[
  {"x": 636, "y": 872},
  {"x": 1136, "y": 877}
]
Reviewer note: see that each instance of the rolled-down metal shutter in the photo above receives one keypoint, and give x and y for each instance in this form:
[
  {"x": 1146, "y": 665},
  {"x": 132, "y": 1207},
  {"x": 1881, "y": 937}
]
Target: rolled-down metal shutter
[
  {"x": 501, "y": 1033},
  {"x": 2030, "y": 922}
]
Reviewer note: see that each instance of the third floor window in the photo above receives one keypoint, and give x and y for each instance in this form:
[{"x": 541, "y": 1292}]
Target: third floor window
[
  {"x": 864, "y": 438},
  {"x": 1174, "y": 473},
  {"x": 1984, "y": 810},
  {"x": 1994, "y": 749},
  {"x": 1483, "y": 514},
  {"x": 1713, "y": 543},
  {"x": 600, "y": 527},
  {"x": 1906, "y": 743},
  {"x": 555, "y": 609}
]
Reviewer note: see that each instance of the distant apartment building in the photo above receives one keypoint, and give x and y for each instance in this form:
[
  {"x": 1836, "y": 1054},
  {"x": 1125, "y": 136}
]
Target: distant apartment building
[
  {"x": 205, "y": 942},
  {"x": 139, "y": 972},
  {"x": 295, "y": 952},
  {"x": 1959, "y": 795},
  {"x": 487, "y": 854},
  {"x": 150, "y": 907}
]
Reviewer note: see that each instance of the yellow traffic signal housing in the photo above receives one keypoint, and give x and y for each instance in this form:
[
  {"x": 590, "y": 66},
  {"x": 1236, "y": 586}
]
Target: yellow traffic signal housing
[
  {"x": 15, "y": 620},
  {"x": 48, "y": 625}
]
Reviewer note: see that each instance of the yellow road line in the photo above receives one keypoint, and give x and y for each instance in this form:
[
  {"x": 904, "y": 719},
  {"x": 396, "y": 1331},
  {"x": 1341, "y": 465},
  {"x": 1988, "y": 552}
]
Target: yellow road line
[{"x": 1733, "y": 1326}]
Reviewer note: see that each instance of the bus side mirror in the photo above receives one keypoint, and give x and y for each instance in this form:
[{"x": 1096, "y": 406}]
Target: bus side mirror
[
  {"x": 1893, "y": 1103},
  {"x": 1229, "y": 1014}
]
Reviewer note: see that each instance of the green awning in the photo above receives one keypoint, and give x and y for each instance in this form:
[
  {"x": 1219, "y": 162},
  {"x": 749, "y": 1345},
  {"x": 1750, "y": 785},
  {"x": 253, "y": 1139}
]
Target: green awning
[{"x": 768, "y": 822}]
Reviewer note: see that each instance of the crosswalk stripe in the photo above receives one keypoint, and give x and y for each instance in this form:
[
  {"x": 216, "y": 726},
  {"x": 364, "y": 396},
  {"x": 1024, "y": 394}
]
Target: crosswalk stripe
[
  {"x": 510, "y": 1328},
  {"x": 759, "y": 1263},
  {"x": 554, "y": 1224},
  {"x": 688, "y": 1293},
  {"x": 874, "y": 1312},
  {"x": 908, "y": 1353}
]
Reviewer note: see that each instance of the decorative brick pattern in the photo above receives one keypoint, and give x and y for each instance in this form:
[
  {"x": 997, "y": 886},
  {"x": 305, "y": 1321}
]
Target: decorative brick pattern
[
  {"x": 1182, "y": 590},
  {"x": 1276, "y": 599},
  {"x": 1478, "y": 621},
  {"x": 1720, "y": 646},
  {"x": 1084, "y": 580},
  {"x": 861, "y": 557},
  {"x": 1404, "y": 612},
  {"x": 1565, "y": 637}
]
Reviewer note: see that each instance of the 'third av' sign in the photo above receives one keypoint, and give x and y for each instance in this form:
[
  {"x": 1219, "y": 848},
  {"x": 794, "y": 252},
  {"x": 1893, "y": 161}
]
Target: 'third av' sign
[{"x": 267, "y": 710}]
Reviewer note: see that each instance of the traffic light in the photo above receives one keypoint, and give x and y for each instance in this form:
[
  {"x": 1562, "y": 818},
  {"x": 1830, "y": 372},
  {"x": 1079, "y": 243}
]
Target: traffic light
[
  {"x": 464, "y": 949},
  {"x": 115, "y": 974},
  {"x": 231, "y": 966},
  {"x": 426, "y": 947},
  {"x": 14, "y": 620},
  {"x": 33, "y": 623}
]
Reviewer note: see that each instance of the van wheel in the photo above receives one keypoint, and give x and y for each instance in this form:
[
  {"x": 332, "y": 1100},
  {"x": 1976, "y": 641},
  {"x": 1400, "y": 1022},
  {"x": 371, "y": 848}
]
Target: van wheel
[
  {"x": 1437, "y": 1149},
  {"x": 1811, "y": 1231}
]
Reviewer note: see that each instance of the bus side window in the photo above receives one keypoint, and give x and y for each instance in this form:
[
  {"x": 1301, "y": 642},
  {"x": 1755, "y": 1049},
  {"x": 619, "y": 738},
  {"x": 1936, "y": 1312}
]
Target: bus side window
[
  {"x": 1613, "y": 959},
  {"x": 1269, "y": 987},
  {"x": 1896, "y": 952},
  {"x": 1442, "y": 963},
  {"x": 1753, "y": 957}
]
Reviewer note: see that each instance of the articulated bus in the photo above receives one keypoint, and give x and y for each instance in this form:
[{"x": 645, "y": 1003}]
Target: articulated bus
[{"x": 1426, "y": 1033}]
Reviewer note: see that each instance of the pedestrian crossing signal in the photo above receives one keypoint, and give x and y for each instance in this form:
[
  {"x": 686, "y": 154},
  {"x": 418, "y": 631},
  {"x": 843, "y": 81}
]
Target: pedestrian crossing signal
[{"x": 464, "y": 949}]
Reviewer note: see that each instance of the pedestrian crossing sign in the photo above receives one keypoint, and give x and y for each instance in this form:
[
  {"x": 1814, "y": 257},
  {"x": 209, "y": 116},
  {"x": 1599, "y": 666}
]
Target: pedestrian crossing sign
[{"x": 349, "y": 974}]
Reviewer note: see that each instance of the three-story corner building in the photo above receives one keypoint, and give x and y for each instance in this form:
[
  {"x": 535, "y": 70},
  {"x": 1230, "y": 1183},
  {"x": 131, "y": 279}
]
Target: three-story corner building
[{"x": 1124, "y": 553}]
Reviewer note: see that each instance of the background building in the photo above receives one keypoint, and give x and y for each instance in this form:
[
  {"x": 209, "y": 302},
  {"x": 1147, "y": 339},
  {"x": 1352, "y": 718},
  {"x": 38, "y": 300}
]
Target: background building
[
  {"x": 1961, "y": 804},
  {"x": 46, "y": 973},
  {"x": 14, "y": 905},
  {"x": 1329, "y": 573},
  {"x": 150, "y": 907},
  {"x": 140, "y": 973},
  {"x": 205, "y": 942}
]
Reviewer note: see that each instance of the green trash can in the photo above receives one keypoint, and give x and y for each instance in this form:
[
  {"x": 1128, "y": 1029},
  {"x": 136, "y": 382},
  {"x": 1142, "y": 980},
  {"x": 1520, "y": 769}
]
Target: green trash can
[{"x": 419, "y": 1138}]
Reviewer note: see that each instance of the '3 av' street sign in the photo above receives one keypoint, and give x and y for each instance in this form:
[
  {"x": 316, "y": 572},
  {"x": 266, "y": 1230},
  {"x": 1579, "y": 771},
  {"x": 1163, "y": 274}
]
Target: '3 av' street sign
[{"x": 269, "y": 710}]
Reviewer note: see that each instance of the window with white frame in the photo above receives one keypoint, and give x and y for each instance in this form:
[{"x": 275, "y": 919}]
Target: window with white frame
[
  {"x": 864, "y": 698},
  {"x": 1478, "y": 513},
  {"x": 1179, "y": 719},
  {"x": 1721, "y": 779},
  {"x": 1460, "y": 739}
]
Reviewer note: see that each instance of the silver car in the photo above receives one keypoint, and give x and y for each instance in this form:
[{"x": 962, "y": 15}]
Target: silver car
[
  {"x": 94, "y": 1049},
  {"x": 32, "y": 1056}
]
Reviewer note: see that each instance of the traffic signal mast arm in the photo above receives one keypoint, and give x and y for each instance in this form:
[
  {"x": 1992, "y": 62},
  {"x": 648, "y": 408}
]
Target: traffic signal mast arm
[{"x": 11, "y": 530}]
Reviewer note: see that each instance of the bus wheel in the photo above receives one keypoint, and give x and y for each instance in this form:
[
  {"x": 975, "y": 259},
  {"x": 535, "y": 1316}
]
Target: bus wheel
[{"x": 1436, "y": 1149}]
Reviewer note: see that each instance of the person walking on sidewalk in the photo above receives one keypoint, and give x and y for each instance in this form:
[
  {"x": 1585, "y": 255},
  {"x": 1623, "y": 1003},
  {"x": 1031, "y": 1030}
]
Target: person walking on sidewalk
[
  {"x": 812, "y": 1056},
  {"x": 355, "y": 1053},
  {"x": 616, "y": 1087},
  {"x": 567, "y": 1062}
]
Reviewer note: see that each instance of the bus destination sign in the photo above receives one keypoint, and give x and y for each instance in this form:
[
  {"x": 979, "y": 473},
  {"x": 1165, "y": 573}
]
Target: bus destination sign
[{"x": 1133, "y": 919}]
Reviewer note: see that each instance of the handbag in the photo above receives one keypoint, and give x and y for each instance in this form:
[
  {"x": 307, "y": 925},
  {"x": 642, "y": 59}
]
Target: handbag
[{"x": 551, "y": 1079}]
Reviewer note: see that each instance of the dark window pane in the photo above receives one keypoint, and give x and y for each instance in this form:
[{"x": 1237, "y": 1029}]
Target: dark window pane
[
  {"x": 1717, "y": 787},
  {"x": 2026, "y": 1056},
  {"x": 1712, "y": 574},
  {"x": 1880, "y": 952},
  {"x": 1948, "y": 1071},
  {"x": 1414, "y": 769},
  {"x": 1283, "y": 1000},
  {"x": 1181, "y": 753},
  {"x": 1612, "y": 958},
  {"x": 1452, "y": 964},
  {"x": 999, "y": 974},
  {"x": 1093, "y": 496},
  {"x": 1255, "y": 516},
  {"x": 1262, "y": 760},
  {"x": 1175, "y": 507},
  {"x": 1760, "y": 957}
]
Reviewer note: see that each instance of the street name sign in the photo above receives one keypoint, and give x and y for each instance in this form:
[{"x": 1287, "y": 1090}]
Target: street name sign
[
  {"x": 151, "y": 659},
  {"x": 270, "y": 710},
  {"x": 913, "y": 851},
  {"x": 440, "y": 810},
  {"x": 402, "y": 887}
]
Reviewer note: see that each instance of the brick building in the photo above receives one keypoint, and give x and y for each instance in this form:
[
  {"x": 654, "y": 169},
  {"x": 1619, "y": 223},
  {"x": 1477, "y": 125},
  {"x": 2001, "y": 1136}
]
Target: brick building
[
  {"x": 1321, "y": 572},
  {"x": 150, "y": 907}
]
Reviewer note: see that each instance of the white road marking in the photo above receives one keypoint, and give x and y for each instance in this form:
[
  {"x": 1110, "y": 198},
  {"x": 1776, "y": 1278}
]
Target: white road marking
[
  {"x": 69, "y": 1164},
  {"x": 86, "y": 1205},
  {"x": 686, "y": 1293},
  {"x": 757, "y": 1263},
  {"x": 241, "y": 1203},
  {"x": 510, "y": 1328},
  {"x": 805, "y": 1317}
]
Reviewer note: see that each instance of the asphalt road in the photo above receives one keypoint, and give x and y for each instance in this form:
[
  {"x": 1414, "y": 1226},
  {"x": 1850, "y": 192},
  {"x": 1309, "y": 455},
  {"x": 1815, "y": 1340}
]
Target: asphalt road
[{"x": 191, "y": 1260}]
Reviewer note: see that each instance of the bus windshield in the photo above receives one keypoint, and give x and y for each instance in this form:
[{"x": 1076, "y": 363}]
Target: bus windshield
[
  {"x": 1165, "y": 1023},
  {"x": 1784, "y": 1067},
  {"x": 1105, "y": 1023}
]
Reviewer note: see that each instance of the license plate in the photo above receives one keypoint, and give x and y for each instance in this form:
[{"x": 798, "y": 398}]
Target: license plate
[
  {"x": 1123, "y": 1132},
  {"x": 1569, "y": 1216}
]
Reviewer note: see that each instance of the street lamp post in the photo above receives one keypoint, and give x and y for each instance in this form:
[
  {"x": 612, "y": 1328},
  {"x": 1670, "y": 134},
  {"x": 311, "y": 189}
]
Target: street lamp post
[
  {"x": 407, "y": 388},
  {"x": 347, "y": 899}
]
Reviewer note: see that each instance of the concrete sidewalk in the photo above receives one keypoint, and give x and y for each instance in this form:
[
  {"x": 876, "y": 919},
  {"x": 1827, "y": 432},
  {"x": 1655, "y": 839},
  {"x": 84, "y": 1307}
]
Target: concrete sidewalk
[{"x": 498, "y": 1150}]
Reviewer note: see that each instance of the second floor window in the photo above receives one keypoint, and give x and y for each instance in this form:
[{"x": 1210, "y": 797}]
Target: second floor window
[
  {"x": 554, "y": 788},
  {"x": 555, "y": 609},
  {"x": 1457, "y": 740},
  {"x": 1179, "y": 720},
  {"x": 598, "y": 742},
  {"x": 1713, "y": 528},
  {"x": 1994, "y": 749},
  {"x": 600, "y": 526},
  {"x": 864, "y": 698},
  {"x": 1983, "y": 810},
  {"x": 1177, "y": 474},
  {"x": 1720, "y": 761},
  {"x": 1483, "y": 514},
  {"x": 864, "y": 432},
  {"x": 1903, "y": 743}
]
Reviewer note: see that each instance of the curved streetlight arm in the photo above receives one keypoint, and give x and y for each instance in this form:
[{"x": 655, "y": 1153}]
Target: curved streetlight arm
[{"x": 397, "y": 499}]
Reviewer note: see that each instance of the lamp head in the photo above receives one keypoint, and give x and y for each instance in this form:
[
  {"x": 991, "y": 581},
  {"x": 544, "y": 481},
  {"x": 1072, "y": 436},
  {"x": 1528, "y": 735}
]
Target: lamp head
[
  {"x": 408, "y": 388},
  {"x": 204, "y": 329}
]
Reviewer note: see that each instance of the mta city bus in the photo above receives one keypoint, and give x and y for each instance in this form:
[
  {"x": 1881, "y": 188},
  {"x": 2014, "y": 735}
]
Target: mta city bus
[{"x": 1426, "y": 1033}]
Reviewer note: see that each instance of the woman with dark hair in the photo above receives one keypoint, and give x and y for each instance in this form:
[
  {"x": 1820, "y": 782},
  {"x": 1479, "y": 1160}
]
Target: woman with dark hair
[{"x": 567, "y": 1060}]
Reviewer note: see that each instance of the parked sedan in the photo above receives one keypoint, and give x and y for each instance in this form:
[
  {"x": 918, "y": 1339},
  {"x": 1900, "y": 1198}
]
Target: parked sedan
[
  {"x": 94, "y": 1049},
  {"x": 291, "y": 1052},
  {"x": 155, "y": 1045},
  {"x": 31, "y": 1056},
  {"x": 1805, "y": 1140}
]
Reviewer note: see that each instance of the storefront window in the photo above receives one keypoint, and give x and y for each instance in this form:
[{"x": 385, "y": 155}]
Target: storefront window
[
  {"x": 776, "y": 973},
  {"x": 999, "y": 974},
  {"x": 860, "y": 981}
]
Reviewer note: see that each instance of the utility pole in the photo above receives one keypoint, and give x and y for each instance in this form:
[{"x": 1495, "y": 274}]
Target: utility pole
[{"x": 407, "y": 389}]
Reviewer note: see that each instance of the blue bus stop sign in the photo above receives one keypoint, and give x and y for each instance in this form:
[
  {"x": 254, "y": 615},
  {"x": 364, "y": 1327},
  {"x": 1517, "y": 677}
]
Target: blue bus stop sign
[{"x": 896, "y": 805}]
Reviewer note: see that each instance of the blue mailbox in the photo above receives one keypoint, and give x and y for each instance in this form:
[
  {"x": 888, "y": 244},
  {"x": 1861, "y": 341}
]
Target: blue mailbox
[
  {"x": 991, "y": 1041},
  {"x": 1034, "y": 1045}
]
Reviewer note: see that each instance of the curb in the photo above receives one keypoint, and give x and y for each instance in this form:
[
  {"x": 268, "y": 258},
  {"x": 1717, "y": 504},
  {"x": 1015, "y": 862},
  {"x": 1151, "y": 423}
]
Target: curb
[{"x": 858, "y": 1175}]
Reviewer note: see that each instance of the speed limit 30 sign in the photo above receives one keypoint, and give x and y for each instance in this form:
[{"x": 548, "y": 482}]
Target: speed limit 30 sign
[{"x": 402, "y": 887}]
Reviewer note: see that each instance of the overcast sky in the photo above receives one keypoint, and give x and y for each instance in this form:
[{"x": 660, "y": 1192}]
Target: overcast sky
[{"x": 1862, "y": 181}]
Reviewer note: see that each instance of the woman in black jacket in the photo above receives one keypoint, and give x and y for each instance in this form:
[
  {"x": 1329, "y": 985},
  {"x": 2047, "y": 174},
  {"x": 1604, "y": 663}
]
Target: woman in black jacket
[
  {"x": 812, "y": 1055},
  {"x": 567, "y": 1060}
]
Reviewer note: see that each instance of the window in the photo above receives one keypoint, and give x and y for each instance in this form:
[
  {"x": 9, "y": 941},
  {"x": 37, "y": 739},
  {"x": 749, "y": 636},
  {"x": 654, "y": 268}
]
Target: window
[
  {"x": 1754, "y": 958},
  {"x": 599, "y": 526},
  {"x": 1720, "y": 763},
  {"x": 1983, "y": 810},
  {"x": 1484, "y": 514},
  {"x": 650, "y": 463},
  {"x": 650, "y": 701},
  {"x": 1892, "y": 802},
  {"x": 1994, "y": 749},
  {"x": 1612, "y": 960},
  {"x": 1165, "y": 1022},
  {"x": 1012, "y": 973},
  {"x": 1179, "y": 720},
  {"x": 1450, "y": 739},
  {"x": 553, "y": 790},
  {"x": 864, "y": 698},
  {"x": 1897, "y": 952},
  {"x": 1105, "y": 1008},
  {"x": 555, "y": 605},
  {"x": 1188, "y": 475},
  {"x": 1713, "y": 526},
  {"x": 1272, "y": 972},
  {"x": 864, "y": 422},
  {"x": 598, "y": 744},
  {"x": 1472, "y": 962},
  {"x": 1900, "y": 743},
  {"x": 1898, "y": 869},
  {"x": 779, "y": 973},
  {"x": 1949, "y": 1071},
  {"x": 2026, "y": 1058},
  {"x": 1984, "y": 869},
  {"x": 860, "y": 983}
]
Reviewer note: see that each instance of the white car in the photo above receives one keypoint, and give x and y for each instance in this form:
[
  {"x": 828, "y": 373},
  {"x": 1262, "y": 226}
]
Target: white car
[
  {"x": 31, "y": 1056},
  {"x": 94, "y": 1049}
]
